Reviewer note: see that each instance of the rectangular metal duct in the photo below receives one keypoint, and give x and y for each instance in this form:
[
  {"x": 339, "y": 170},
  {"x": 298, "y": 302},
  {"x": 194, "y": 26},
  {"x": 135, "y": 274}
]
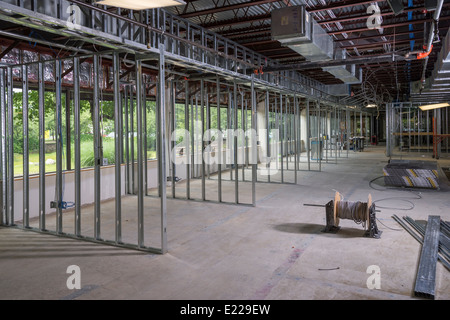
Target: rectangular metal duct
[
  {"x": 350, "y": 74},
  {"x": 295, "y": 28},
  {"x": 340, "y": 90},
  {"x": 291, "y": 25}
]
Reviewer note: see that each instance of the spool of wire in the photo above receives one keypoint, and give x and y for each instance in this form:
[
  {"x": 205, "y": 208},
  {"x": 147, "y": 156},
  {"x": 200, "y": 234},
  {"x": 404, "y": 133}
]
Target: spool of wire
[{"x": 356, "y": 211}]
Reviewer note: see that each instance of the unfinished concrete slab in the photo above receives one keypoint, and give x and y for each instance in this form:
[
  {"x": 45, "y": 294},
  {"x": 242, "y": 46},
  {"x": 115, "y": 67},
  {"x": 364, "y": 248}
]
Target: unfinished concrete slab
[{"x": 274, "y": 251}]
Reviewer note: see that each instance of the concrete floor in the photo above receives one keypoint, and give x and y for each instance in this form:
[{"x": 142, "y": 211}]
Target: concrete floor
[{"x": 274, "y": 251}]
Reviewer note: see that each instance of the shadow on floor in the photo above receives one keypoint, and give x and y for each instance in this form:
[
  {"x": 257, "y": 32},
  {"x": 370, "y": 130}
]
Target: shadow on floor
[
  {"x": 312, "y": 228},
  {"x": 28, "y": 245}
]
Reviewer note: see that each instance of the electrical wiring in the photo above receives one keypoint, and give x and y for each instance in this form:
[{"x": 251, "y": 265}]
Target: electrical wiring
[
  {"x": 394, "y": 229},
  {"x": 408, "y": 200}
]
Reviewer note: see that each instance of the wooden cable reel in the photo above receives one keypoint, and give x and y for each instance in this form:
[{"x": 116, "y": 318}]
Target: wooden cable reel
[{"x": 366, "y": 216}]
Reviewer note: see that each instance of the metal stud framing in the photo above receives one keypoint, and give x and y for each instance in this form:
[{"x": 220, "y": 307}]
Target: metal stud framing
[
  {"x": 59, "y": 203},
  {"x": 282, "y": 111},
  {"x": 410, "y": 130}
]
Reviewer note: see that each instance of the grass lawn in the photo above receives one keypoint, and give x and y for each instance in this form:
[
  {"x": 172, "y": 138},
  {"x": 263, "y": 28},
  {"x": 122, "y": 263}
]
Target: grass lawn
[
  {"x": 34, "y": 163},
  {"x": 87, "y": 157}
]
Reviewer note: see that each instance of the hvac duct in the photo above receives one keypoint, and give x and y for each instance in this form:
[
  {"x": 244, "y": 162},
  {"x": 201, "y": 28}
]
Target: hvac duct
[
  {"x": 350, "y": 74},
  {"x": 295, "y": 28}
]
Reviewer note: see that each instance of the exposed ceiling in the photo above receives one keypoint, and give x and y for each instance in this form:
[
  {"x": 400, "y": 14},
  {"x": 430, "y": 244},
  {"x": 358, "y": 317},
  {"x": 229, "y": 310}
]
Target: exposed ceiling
[{"x": 249, "y": 23}]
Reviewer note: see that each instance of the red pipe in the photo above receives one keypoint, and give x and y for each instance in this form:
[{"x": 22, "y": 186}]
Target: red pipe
[{"x": 424, "y": 54}]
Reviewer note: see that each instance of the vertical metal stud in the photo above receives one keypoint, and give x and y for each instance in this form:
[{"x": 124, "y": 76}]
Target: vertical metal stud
[
  {"x": 319, "y": 140},
  {"x": 172, "y": 136},
  {"x": 117, "y": 154},
  {"x": 202, "y": 135},
  {"x": 428, "y": 130},
  {"x": 243, "y": 113},
  {"x": 132, "y": 159},
  {"x": 10, "y": 152},
  {"x": 348, "y": 124},
  {"x": 296, "y": 137},
  {"x": 186, "y": 140},
  {"x": 140, "y": 155},
  {"x": 208, "y": 128},
  {"x": 127, "y": 142},
  {"x": 26, "y": 161},
  {"x": 253, "y": 143},
  {"x": 326, "y": 137},
  {"x": 447, "y": 127},
  {"x": 282, "y": 125},
  {"x": 145, "y": 140},
  {"x": 268, "y": 153},
  {"x": 59, "y": 149},
  {"x": 336, "y": 133},
  {"x": 97, "y": 151},
  {"x": 285, "y": 120},
  {"x": 4, "y": 160},
  {"x": 68, "y": 126},
  {"x": 77, "y": 142},
  {"x": 195, "y": 129},
  {"x": 162, "y": 156},
  {"x": 192, "y": 142},
  {"x": 308, "y": 135},
  {"x": 409, "y": 128},
  {"x": 235, "y": 143},
  {"x": 229, "y": 145},
  {"x": 219, "y": 149}
]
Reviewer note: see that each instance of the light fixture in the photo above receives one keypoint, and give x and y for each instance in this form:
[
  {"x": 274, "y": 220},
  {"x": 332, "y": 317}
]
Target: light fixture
[
  {"x": 371, "y": 106},
  {"x": 140, "y": 4},
  {"x": 434, "y": 106}
]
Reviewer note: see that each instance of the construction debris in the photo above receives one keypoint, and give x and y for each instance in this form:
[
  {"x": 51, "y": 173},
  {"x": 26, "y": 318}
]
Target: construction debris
[{"x": 435, "y": 240}]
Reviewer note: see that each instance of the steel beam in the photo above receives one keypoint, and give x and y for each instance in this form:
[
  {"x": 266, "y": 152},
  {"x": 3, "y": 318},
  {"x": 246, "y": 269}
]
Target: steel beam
[{"x": 426, "y": 273}]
